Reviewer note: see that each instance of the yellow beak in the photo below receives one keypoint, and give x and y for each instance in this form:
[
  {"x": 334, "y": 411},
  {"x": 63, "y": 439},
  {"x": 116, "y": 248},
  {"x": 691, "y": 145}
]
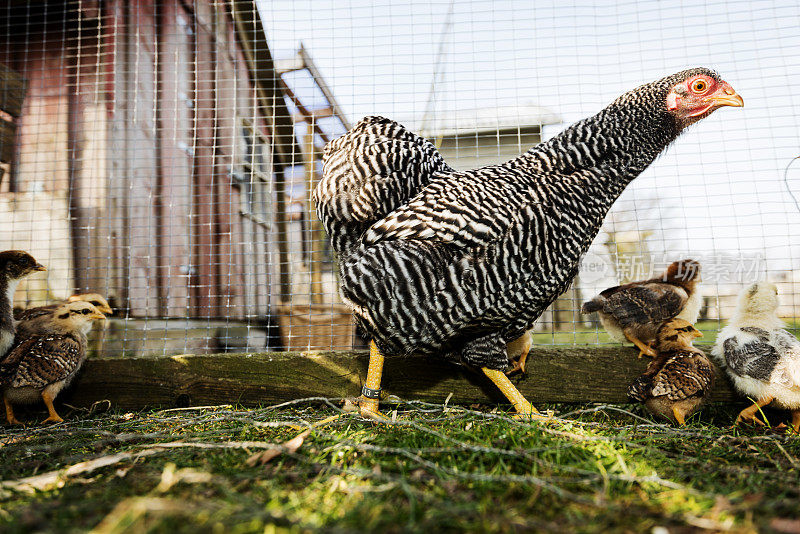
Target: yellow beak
[
  {"x": 39, "y": 267},
  {"x": 729, "y": 98}
]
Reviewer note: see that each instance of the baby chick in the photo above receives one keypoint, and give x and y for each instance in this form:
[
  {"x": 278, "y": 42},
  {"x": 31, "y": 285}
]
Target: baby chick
[
  {"x": 679, "y": 378},
  {"x": 43, "y": 364},
  {"x": 760, "y": 356},
  {"x": 635, "y": 311},
  {"x": 14, "y": 266},
  {"x": 36, "y": 320}
]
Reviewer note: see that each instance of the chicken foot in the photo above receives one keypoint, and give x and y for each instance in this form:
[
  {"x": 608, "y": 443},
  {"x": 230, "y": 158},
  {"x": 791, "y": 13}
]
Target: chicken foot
[{"x": 748, "y": 415}]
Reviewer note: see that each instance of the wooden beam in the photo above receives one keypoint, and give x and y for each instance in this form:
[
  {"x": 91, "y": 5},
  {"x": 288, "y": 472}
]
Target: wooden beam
[
  {"x": 312, "y": 68},
  {"x": 289, "y": 64},
  {"x": 555, "y": 374}
]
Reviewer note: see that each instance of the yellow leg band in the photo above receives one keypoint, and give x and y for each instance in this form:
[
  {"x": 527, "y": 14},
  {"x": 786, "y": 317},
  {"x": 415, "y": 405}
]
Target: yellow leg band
[
  {"x": 510, "y": 391},
  {"x": 373, "y": 382}
]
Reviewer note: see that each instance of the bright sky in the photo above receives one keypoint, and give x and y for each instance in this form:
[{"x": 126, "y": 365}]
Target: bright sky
[{"x": 720, "y": 186}]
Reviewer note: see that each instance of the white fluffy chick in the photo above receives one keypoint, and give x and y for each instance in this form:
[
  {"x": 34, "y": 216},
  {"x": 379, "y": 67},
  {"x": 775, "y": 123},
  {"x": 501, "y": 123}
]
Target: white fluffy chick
[{"x": 760, "y": 356}]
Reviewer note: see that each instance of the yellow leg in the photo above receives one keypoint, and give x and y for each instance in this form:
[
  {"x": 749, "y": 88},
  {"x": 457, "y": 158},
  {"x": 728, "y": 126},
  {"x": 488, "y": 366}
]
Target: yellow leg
[
  {"x": 679, "y": 416},
  {"x": 370, "y": 396},
  {"x": 521, "y": 404},
  {"x": 796, "y": 421},
  {"x": 748, "y": 415},
  {"x": 523, "y": 346},
  {"x": 10, "y": 412},
  {"x": 48, "y": 401},
  {"x": 644, "y": 349}
]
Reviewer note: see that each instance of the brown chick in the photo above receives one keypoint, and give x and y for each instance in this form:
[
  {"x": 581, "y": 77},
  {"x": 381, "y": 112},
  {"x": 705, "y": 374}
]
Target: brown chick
[
  {"x": 636, "y": 311},
  {"x": 43, "y": 364},
  {"x": 679, "y": 378},
  {"x": 36, "y": 320}
]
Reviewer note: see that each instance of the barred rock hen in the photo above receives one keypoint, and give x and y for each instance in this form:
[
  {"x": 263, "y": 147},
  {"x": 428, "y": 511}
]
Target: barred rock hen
[
  {"x": 761, "y": 358},
  {"x": 679, "y": 378},
  {"x": 636, "y": 311},
  {"x": 457, "y": 264}
]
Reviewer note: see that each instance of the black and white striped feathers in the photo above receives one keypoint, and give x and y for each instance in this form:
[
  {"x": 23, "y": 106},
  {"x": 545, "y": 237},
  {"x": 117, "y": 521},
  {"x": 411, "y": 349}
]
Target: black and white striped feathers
[{"x": 458, "y": 263}]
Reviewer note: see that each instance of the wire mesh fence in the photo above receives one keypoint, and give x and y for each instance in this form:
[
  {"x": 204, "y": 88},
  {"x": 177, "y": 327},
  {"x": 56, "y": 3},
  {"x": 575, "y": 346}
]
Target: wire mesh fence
[{"x": 162, "y": 152}]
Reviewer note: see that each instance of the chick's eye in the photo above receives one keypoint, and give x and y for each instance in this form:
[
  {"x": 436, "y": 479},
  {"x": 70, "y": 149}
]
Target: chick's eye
[
  {"x": 84, "y": 312},
  {"x": 698, "y": 86}
]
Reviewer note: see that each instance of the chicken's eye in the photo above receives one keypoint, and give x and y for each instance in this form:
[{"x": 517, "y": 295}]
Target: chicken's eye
[
  {"x": 698, "y": 86},
  {"x": 84, "y": 311}
]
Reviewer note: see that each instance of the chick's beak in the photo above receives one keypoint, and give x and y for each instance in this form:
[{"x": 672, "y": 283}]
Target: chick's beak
[
  {"x": 97, "y": 316},
  {"x": 697, "y": 333},
  {"x": 39, "y": 267},
  {"x": 727, "y": 97}
]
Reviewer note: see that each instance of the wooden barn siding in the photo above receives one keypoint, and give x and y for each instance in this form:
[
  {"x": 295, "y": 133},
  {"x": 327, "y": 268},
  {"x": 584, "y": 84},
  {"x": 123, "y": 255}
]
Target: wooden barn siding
[
  {"x": 228, "y": 227},
  {"x": 182, "y": 231},
  {"x": 258, "y": 242},
  {"x": 176, "y": 160},
  {"x": 33, "y": 49},
  {"x": 157, "y": 226},
  {"x": 250, "y": 36},
  {"x": 116, "y": 77},
  {"x": 204, "y": 129},
  {"x": 88, "y": 170},
  {"x": 137, "y": 96}
]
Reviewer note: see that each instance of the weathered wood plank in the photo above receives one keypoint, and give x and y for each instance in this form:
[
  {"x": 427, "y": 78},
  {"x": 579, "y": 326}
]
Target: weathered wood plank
[
  {"x": 560, "y": 374},
  {"x": 12, "y": 91},
  {"x": 8, "y": 136},
  {"x": 173, "y": 204}
]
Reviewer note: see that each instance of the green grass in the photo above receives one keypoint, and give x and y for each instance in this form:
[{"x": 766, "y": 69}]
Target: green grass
[{"x": 596, "y": 469}]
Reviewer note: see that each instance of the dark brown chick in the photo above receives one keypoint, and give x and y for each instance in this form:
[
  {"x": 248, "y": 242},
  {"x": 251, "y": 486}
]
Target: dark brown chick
[
  {"x": 40, "y": 366},
  {"x": 36, "y": 320},
  {"x": 14, "y": 266},
  {"x": 636, "y": 311},
  {"x": 680, "y": 376}
]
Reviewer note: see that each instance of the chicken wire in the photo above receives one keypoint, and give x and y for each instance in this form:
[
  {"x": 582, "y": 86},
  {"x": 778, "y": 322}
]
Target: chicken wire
[{"x": 165, "y": 149}]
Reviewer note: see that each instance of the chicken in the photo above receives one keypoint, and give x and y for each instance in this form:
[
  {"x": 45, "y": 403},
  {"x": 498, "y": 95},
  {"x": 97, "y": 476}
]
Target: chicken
[
  {"x": 761, "y": 358},
  {"x": 635, "y": 311},
  {"x": 36, "y": 320},
  {"x": 43, "y": 364},
  {"x": 457, "y": 264},
  {"x": 14, "y": 266},
  {"x": 680, "y": 377}
]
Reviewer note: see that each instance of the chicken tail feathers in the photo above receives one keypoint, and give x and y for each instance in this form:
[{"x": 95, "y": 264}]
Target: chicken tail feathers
[{"x": 368, "y": 172}]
